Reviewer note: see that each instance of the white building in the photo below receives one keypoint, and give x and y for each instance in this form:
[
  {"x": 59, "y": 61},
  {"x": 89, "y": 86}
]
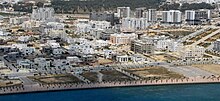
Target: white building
[
  {"x": 132, "y": 24},
  {"x": 42, "y": 62},
  {"x": 60, "y": 63},
  {"x": 108, "y": 54},
  {"x": 58, "y": 51},
  {"x": 100, "y": 43},
  {"x": 169, "y": 44},
  {"x": 18, "y": 20},
  {"x": 58, "y": 34},
  {"x": 137, "y": 58},
  {"x": 118, "y": 39},
  {"x": 84, "y": 26},
  {"x": 24, "y": 63},
  {"x": 43, "y": 14},
  {"x": 192, "y": 52},
  {"x": 152, "y": 15},
  {"x": 122, "y": 58},
  {"x": 53, "y": 44},
  {"x": 52, "y": 26},
  {"x": 27, "y": 50},
  {"x": 30, "y": 24},
  {"x": 83, "y": 47},
  {"x": 100, "y": 24},
  {"x": 123, "y": 12},
  {"x": 24, "y": 38},
  {"x": 171, "y": 17},
  {"x": 195, "y": 17}
]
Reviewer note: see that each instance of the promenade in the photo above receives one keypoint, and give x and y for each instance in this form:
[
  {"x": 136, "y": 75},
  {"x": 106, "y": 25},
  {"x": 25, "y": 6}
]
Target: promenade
[{"x": 74, "y": 86}]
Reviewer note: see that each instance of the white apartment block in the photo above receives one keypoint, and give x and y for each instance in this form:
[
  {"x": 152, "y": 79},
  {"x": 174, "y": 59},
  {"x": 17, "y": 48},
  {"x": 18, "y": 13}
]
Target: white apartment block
[
  {"x": 123, "y": 12},
  {"x": 171, "y": 17},
  {"x": 197, "y": 16},
  {"x": 43, "y": 14},
  {"x": 87, "y": 26},
  {"x": 132, "y": 24},
  {"x": 152, "y": 15}
]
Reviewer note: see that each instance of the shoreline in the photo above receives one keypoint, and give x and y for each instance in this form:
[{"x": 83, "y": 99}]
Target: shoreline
[{"x": 67, "y": 87}]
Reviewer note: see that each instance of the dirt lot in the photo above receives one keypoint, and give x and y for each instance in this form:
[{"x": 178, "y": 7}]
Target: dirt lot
[
  {"x": 102, "y": 61},
  {"x": 213, "y": 68},
  {"x": 50, "y": 79},
  {"x": 91, "y": 76},
  {"x": 6, "y": 83},
  {"x": 164, "y": 57},
  {"x": 154, "y": 72},
  {"x": 113, "y": 75}
]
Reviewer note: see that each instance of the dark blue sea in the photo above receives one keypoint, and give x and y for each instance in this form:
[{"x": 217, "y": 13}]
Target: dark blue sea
[{"x": 206, "y": 92}]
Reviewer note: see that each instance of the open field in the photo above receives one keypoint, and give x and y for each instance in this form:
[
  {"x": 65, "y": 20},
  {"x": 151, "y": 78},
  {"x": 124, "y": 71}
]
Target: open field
[
  {"x": 6, "y": 83},
  {"x": 213, "y": 68},
  {"x": 163, "y": 58},
  {"x": 5, "y": 71},
  {"x": 180, "y": 33},
  {"x": 51, "y": 79},
  {"x": 113, "y": 75},
  {"x": 155, "y": 73}
]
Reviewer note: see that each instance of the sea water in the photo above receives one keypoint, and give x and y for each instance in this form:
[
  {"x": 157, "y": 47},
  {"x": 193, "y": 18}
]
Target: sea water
[{"x": 197, "y": 92}]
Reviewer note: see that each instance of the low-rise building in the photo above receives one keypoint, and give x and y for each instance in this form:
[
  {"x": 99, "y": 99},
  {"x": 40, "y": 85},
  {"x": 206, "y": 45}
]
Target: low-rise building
[
  {"x": 132, "y": 24},
  {"x": 42, "y": 62},
  {"x": 192, "y": 52},
  {"x": 122, "y": 39},
  {"x": 142, "y": 46},
  {"x": 122, "y": 58}
]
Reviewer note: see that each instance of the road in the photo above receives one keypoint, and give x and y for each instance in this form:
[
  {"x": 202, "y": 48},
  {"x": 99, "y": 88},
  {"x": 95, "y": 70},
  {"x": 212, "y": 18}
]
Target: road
[
  {"x": 13, "y": 68},
  {"x": 27, "y": 81}
]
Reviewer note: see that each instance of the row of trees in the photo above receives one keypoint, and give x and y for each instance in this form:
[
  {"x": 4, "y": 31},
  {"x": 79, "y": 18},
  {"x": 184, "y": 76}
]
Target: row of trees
[
  {"x": 80, "y": 6},
  {"x": 86, "y": 6},
  {"x": 186, "y": 6}
]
